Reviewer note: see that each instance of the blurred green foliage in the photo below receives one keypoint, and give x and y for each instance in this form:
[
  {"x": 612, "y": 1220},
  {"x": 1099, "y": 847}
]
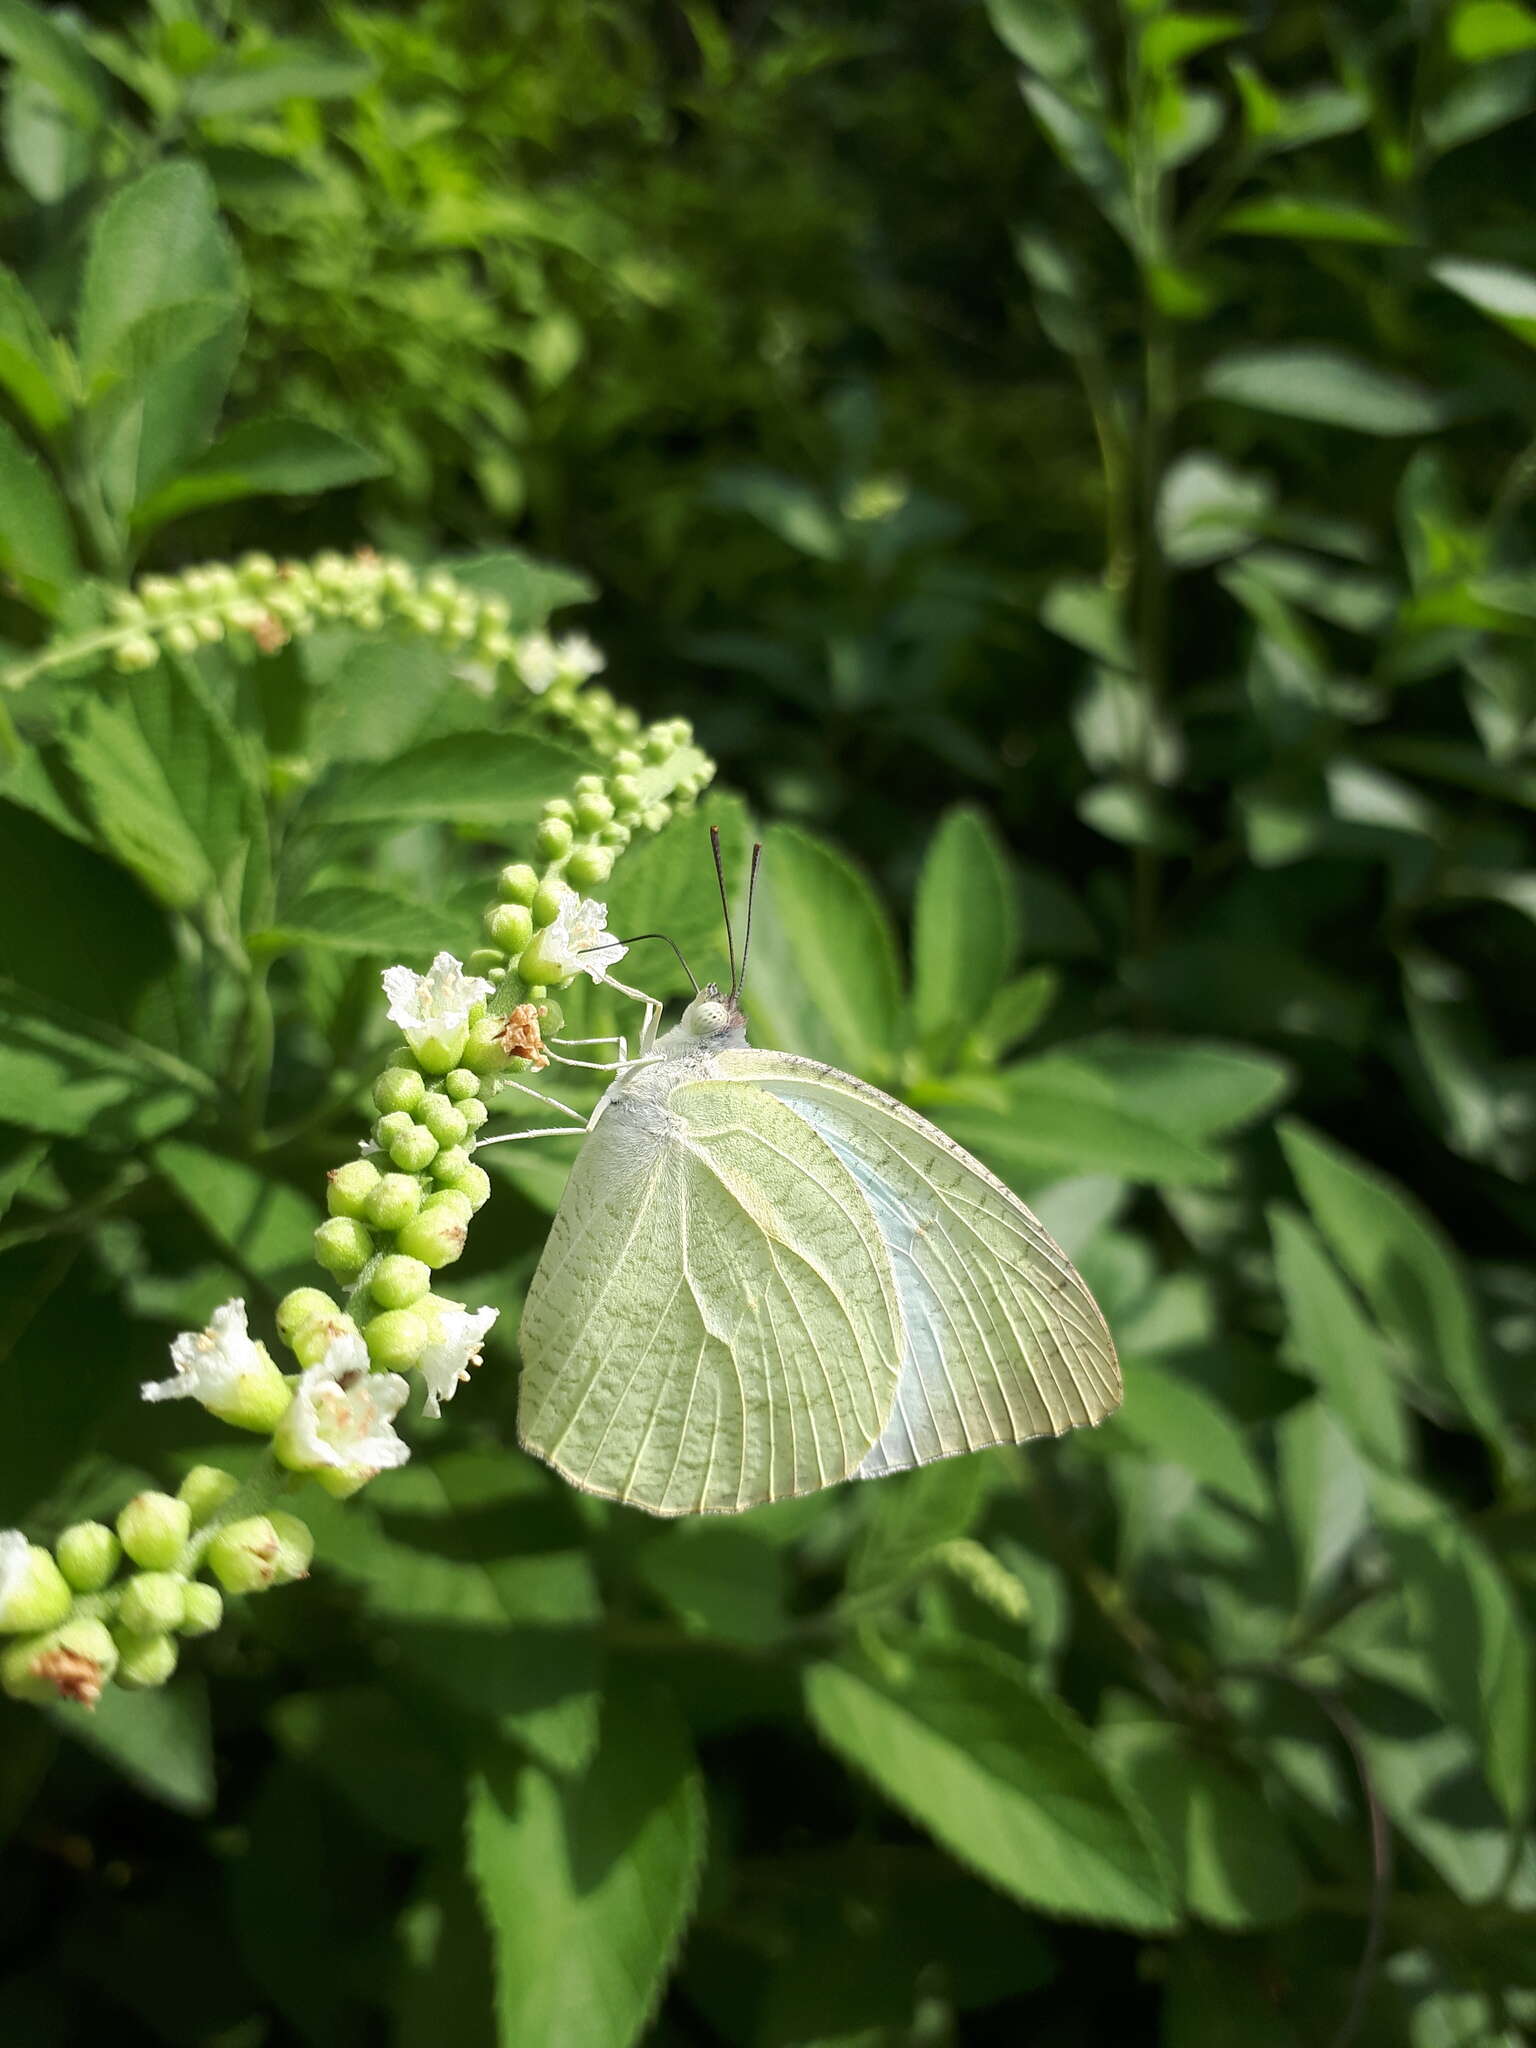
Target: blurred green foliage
[{"x": 1077, "y": 459}]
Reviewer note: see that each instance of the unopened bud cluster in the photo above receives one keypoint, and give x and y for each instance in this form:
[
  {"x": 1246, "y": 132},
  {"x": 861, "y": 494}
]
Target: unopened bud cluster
[{"x": 112, "y": 1605}]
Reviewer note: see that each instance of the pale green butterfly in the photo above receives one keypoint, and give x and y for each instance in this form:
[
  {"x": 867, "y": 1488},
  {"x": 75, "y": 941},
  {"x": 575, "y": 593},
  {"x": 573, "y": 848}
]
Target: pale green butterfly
[{"x": 766, "y": 1276}]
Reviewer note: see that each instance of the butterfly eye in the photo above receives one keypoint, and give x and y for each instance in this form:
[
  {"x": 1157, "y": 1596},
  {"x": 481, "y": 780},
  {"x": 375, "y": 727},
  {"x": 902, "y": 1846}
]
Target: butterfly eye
[{"x": 706, "y": 1016}]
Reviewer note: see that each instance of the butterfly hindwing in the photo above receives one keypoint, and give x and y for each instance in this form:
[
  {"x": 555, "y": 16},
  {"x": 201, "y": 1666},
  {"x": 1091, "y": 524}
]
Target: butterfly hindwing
[
  {"x": 1003, "y": 1339},
  {"x": 715, "y": 1320}
]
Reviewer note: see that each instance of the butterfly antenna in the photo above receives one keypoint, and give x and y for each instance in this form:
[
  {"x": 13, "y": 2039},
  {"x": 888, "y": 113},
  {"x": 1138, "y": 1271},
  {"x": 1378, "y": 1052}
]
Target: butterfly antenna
[
  {"x": 746, "y": 943},
  {"x": 725, "y": 905},
  {"x": 603, "y": 945}
]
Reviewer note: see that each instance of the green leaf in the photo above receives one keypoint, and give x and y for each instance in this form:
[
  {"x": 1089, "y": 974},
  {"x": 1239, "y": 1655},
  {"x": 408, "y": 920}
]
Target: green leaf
[
  {"x": 1325, "y": 385},
  {"x": 905, "y": 1522},
  {"x": 160, "y": 1741},
  {"x": 1311, "y": 218},
  {"x": 356, "y": 918},
  {"x": 587, "y": 1887},
  {"x": 498, "y": 780},
  {"x": 171, "y": 795},
  {"x": 29, "y": 356},
  {"x": 1170, "y": 1417},
  {"x": 473, "y": 1570},
  {"x": 1170, "y": 40},
  {"x": 826, "y": 981},
  {"x": 1480, "y": 30},
  {"x": 1003, "y": 1777},
  {"x": 1207, "y": 510},
  {"x": 264, "y": 79},
  {"x": 266, "y": 458},
  {"x": 37, "y": 545},
  {"x": 966, "y": 928},
  {"x": 1404, "y": 1266},
  {"x": 67, "y": 1073},
  {"x": 1335, "y": 1344},
  {"x": 787, "y": 508},
  {"x": 1196, "y": 1087},
  {"x": 1086, "y": 146},
  {"x": 369, "y": 1749},
  {"x": 532, "y": 588},
  {"x": 1279, "y": 121},
  {"x": 1322, "y": 1483},
  {"x": 159, "y": 255},
  {"x": 267, "y": 1226},
  {"x": 720, "y": 1580},
  {"x": 1497, "y": 289},
  {"x": 667, "y": 884},
  {"x": 1013, "y": 1015},
  {"x": 52, "y": 58},
  {"x": 1469, "y": 1628},
  {"x": 1092, "y": 617},
  {"x": 1233, "y": 1859},
  {"x": 1050, "y": 36}
]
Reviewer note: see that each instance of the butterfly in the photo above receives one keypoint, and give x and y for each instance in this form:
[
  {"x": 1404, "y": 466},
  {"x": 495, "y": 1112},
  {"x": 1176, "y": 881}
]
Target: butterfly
[{"x": 766, "y": 1276}]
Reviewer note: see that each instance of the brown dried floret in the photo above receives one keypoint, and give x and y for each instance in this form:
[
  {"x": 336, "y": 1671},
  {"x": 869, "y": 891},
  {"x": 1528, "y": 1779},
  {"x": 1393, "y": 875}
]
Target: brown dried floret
[
  {"x": 519, "y": 1036},
  {"x": 72, "y": 1675}
]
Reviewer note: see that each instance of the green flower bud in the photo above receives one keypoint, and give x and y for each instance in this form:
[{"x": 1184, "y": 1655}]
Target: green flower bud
[
  {"x": 560, "y": 807},
  {"x": 474, "y": 1113},
  {"x": 517, "y": 883},
  {"x": 204, "y": 1609},
  {"x": 436, "y": 1055},
  {"x": 489, "y": 962},
  {"x": 457, "y": 1171},
  {"x": 510, "y": 925},
  {"x": 135, "y": 654},
  {"x": 397, "y": 1090},
  {"x": 626, "y": 762},
  {"x": 154, "y": 1530},
  {"x": 448, "y": 1165},
  {"x": 152, "y": 1602},
  {"x": 413, "y": 1151},
  {"x": 553, "y": 837},
  {"x": 395, "y": 1124},
  {"x": 443, "y": 1119},
  {"x": 394, "y": 1200},
  {"x": 74, "y": 1662},
  {"x": 243, "y": 1555},
  {"x": 34, "y": 1593},
  {"x": 625, "y": 791},
  {"x": 590, "y": 866},
  {"x": 483, "y": 1051},
  {"x": 316, "y": 1338},
  {"x": 88, "y": 1555},
  {"x": 206, "y": 1487},
  {"x": 145, "y": 1661},
  {"x": 461, "y": 1085},
  {"x": 350, "y": 1186},
  {"x": 398, "y": 1281},
  {"x": 396, "y": 1339},
  {"x": 302, "y": 1306},
  {"x": 343, "y": 1246},
  {"x": 448, "y": 1202},
  {"x": 295, "y": 1547},
  {"x": 594, "y": 809},
  {"x": 434, "y": 1238},
  {"x": 547, "y": 904}
]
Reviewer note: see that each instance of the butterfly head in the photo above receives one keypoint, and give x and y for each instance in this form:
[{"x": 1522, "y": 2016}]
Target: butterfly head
[{"x": 711, "y": 1013}]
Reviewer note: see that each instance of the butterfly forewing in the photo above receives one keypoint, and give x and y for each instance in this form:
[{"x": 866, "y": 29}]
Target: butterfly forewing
[
  {"x": 1003, "y": 1340},
  {"x": 715, "y": 1320}
]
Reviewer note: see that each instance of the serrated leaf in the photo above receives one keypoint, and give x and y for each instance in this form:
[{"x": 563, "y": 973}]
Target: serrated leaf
[
  {"x": 587, "y": 1887},
  {"x": 66, "y": 1073},
  {"x": 1322, "y": 1483},
  {"x": 1407, "y": 1270},
  {"x": 965, "y": 929},
  {"x": 282, "y": 458},
  {"x": 826, "y": 981},
  {"x": 357, "y": 918},
  {"x": 381, "y": 1758},
  {"x": 29, "y": 356},
  {"x": 905, "y": 1522},
  {"x": 498, "y": 780},
  {"x": 533, "y": 589},
  {"x": 1003, "y": 1777}
]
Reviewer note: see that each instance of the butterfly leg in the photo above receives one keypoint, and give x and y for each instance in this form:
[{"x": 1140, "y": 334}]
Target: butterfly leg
[
  {"x": 653, "y": 1009},
  {"x": 602, "y": 1066},
  {"x": 577, "y": 1128}
]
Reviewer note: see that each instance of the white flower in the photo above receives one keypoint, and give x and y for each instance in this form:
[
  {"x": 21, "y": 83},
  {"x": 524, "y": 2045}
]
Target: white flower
[
  {"x": 342, "y": 1416},
  {"x": 578, "y": 939},
  {"x": 434, "y": 1005},
  {"x": 447, "y": 1360},
  {"x": 579, "y": 658},
  {"x": 538, "y": 662},
  {"x": 542, "y": 661},
  {"x": 224, "y": 1368}
]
